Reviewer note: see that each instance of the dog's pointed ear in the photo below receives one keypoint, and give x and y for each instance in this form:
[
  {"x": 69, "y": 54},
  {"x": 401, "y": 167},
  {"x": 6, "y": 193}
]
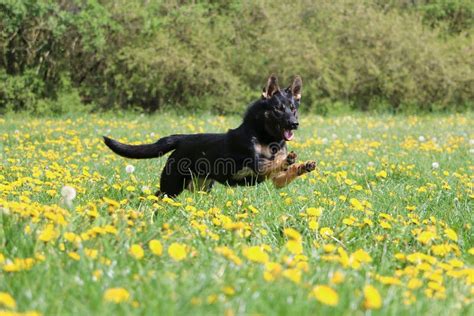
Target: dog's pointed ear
[
  {"x": 296, "y": 88},
  {"x": 271, "y": 88}
]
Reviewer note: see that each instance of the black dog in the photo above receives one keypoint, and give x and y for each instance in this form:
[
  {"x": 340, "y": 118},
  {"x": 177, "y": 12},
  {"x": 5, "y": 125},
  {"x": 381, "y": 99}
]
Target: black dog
[{"x": 247, "y": 155}]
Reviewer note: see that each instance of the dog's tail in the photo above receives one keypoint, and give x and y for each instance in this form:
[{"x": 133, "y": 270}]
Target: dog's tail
[{"x": 158, "y": 149}]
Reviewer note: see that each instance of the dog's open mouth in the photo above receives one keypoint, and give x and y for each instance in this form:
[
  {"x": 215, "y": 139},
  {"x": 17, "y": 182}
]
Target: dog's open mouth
[{"x": 288, "y": 134}]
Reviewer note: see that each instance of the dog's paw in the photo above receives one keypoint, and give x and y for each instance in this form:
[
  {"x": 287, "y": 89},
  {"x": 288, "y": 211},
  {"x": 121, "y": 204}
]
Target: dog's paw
[
  {"x": 310, "y": 166},
  {"x": 306, "y": 167},
  {"x": 291, "y": 158}
]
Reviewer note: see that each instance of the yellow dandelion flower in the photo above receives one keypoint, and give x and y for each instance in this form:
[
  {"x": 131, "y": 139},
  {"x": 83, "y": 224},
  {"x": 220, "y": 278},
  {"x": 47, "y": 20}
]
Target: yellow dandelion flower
[
  {"x": 295, "y": 247},
  {"x": 343, "y": 257},
  {"x": 7, "y": 300},
  {"x": 156, "y": 247},
  {"x": 329, "y": 248},
  {"x": 256, "y": 254},
  {"x": 414, "y": 283},
  {"x": 91, "y": 253},
  {"x": 400, "y": 256},
  {"x": 337, "y": 278},
  {"x": 229, "y": 254},
  {"x": 349, "y": 221},
  {"x": 74, "y": 255},
  {"x": 361, "y": 256},
  {"x": 381, "y": 174},
  {"x": 293, "y": 275},
  {"x": 313, "y": 225},
  {"x": 326, "y": 232},
  {"x": 426, "y": 237},
  {"x": 116, "y": 295},
  {"x": 48, "y": 234},
  {"x": 314, "y": 211},
  {"x": 325, "y": 295},
  {"x": 96, "y": 275},
  {"x": 228, "y": 290},
  {"x": 136, "y": 251},
  {"x": 388, "y": 280},
  {"x": 111, "y": 202},
  {"x": 177, "y": 251},
  {"x": 358, "y": 258},
  {"x": 372, "y": 298},
  {"x": 211, "y": 299},
  {"x": 272, "y": 270},
  {"x": 292, "y": 234},
  {"x": 451, "y": 234},
  {"x": 456, "y": 263},
  {"x": 71, "y": 237},
  {"x": 368, "y": 221},
  {"x": 356, "y": 204}
]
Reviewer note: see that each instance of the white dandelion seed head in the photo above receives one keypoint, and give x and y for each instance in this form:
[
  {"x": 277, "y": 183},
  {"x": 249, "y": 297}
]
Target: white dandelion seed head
[
  {"x": 471, "y": 151},
  {"x": 68, "y": 193},
  {"x": 334, "y": 135},
  {"x": 28, "y": 294},
  {"x": 145, "y": 188},
  {"x": 152, "y": 134},
  {"x": 471, "y": 142},
  {"x": 435, "y": 165},
  {"x": 78, "y": 280},
  {"x": 129, "y": 169},
  {"x": 358, "y": 136},
  {"x": 421, "y": 138},
  {"x": 371, "y": 164},
  {"x": 325, "y": 140},
  {"x": 110, "y": 273}
]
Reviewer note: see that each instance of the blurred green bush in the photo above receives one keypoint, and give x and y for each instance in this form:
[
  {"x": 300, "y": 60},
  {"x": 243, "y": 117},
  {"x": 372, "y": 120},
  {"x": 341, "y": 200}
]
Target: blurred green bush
[{"x": 63, "y": 55}]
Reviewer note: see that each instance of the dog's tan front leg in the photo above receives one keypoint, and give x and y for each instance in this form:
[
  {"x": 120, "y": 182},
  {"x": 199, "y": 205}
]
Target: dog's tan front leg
[{"x": 282, "y": 178}]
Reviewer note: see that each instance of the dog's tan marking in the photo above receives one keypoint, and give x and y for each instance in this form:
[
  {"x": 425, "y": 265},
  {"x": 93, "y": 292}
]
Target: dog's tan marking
[
  {"x": 283, "y": 178},
  {"x": 270, "y": 162},
  {"x": 270, "y": 166}
]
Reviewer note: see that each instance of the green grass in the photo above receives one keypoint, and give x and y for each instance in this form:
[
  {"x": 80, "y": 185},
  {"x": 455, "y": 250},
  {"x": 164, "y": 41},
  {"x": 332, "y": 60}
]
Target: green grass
[{"x": 39, "y": 156}]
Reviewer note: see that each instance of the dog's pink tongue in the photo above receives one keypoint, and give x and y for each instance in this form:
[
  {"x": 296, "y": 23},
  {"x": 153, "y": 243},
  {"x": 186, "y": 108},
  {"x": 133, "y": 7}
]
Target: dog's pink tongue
[{"x": 287, "y": 134}]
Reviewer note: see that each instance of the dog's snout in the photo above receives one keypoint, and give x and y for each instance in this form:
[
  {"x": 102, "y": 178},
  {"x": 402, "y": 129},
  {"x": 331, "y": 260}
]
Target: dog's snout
[{"x": 294, "y": 125}]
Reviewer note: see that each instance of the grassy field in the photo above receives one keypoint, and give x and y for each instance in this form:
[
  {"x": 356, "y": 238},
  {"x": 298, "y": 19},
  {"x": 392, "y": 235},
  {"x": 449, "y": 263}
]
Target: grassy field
[{"x": 384, "y": 226}]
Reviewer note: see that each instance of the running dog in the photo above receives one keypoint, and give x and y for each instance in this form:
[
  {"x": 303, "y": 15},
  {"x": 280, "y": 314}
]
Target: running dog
[{"x": 247, "y": 155}]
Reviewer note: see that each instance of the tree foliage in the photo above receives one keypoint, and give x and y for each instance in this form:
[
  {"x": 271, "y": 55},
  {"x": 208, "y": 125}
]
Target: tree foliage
[{"x": 369, "y": 54}]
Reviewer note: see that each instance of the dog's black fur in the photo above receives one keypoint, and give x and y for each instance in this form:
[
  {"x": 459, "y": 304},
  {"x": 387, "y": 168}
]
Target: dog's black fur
[{"x": 247, "y": 155}]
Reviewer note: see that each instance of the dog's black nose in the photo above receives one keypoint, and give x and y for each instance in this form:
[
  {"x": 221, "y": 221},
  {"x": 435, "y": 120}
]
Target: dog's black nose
[{"x": 294, "y": 125}]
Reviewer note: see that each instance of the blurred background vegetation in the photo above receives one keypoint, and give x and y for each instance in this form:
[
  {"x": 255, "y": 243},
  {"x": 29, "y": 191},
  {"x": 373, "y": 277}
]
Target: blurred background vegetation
[{"x": 372, "y": 55}]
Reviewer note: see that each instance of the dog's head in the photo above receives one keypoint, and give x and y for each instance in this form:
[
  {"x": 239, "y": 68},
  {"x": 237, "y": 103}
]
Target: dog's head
[{"x": 281, "y": 107}]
